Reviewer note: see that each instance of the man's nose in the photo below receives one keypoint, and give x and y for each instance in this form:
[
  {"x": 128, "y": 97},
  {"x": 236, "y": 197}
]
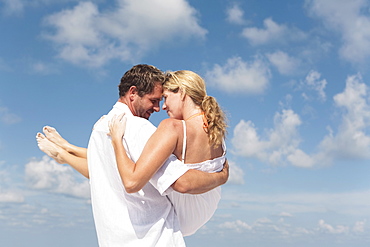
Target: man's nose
[{"x": 156, "y": 108}]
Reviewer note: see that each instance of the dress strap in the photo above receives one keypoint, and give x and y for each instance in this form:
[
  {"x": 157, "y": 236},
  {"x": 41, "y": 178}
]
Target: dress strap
[
  {"x": 183, "y": 142},
  {"x": 205, "y": 122},
  {"x": 195, "y": 115}
]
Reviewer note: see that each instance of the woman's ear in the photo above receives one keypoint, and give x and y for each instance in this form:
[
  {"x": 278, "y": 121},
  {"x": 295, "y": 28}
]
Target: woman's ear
[{"x": 183, "y": 95}]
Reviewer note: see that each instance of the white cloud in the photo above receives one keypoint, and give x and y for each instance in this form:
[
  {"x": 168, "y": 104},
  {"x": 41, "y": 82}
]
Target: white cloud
[
  {"x": 280, "y": 142},
  {"x": 236, "y": 174},
  {"x": 351, "y": 140},
  {"x": 285, "y": 64},
  {"x": 280, "y": 229},
  {"x": 313, "y": 82},
  {"x": 271, "y": 33},
  {"x": 8, "y": 190},
  {"x": 43, "y": 68},
  {"x": 301, "y": 159},
  {"x": 348, "y": 18},
  {"x": 285, "y": 214},
  {"x": 87, "y": 36},
  {"x": 18, "y": 7},
  {"x": 339, "y": 229},
  {"x": 263, "y": 225},
  {"x": 11, "y": 196},
  {"x": 238, "y": 226},
  {"x": 8, "y": 117},
  {"x": 13, "y": 7},
  {"x": 240, "y": 76},
  {"x": 46, "y": 174},
  {"x": 235, "y": 15},
  {"x": 352, "y": 204},
  {"x": 359, "y": 226},
  {"x": 245, "y": 134}
]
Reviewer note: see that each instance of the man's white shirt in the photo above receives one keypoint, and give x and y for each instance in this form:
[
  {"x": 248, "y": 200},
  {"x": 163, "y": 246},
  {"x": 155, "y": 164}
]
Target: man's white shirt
[{"x": 145, "y": 218}]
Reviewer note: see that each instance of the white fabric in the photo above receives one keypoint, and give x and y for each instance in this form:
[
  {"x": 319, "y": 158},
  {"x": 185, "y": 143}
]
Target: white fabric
[
  {"x": 145, "y": 218},
  {"x": 195, "y": 210}
]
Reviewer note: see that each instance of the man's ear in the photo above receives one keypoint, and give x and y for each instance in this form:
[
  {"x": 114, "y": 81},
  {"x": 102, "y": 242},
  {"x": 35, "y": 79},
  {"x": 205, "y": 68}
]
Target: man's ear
[{"x": 133, "y": 92}]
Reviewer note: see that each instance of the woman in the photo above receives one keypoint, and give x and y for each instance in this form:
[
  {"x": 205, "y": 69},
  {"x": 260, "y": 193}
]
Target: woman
[{"x": 194, "y": 133}]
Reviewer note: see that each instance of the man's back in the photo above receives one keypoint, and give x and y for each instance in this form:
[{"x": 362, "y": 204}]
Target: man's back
[{"x": 139, "y": 219}]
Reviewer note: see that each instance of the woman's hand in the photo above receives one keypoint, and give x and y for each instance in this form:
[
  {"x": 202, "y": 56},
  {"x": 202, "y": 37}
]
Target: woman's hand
[{"x": 117, "y": 127}]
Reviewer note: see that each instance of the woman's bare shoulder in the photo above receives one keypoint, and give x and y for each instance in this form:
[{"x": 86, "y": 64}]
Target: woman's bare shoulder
[{"x": 170, "y": 124}]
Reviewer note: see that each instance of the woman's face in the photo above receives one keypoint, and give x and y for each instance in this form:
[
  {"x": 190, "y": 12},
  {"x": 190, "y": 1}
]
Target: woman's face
[{"x": 172, "y": 103}]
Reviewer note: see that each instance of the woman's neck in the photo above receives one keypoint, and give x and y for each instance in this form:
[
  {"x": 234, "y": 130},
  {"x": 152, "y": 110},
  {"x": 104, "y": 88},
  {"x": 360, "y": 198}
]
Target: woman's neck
[
  {"x": 189, "y": 108},
  {"x": 191, "y": 112}
]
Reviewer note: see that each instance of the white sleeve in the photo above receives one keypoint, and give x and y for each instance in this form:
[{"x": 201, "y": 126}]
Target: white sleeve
[{"x": 171, "y": 170}]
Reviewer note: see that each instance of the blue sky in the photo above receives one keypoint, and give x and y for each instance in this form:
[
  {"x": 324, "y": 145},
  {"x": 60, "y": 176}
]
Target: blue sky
[{"x": 291, "y": 75}]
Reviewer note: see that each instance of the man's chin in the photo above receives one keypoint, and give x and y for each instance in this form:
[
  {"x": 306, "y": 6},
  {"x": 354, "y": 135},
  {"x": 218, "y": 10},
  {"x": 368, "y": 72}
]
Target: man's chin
[{"x": 147, "y": 115}]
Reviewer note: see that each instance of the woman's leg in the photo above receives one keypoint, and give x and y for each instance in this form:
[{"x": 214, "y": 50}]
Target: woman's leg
[
  {"x": 62, "y": 156},
  {"x": 53, "y": 135}
]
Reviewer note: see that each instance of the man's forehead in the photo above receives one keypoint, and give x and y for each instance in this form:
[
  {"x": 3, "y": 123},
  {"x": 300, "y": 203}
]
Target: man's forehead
[
  {"x": 155, "y": 96},
  {"x": 158, "y": 84}
]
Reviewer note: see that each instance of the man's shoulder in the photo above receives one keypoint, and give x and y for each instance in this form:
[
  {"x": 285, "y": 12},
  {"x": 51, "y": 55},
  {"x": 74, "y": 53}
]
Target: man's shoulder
[
  {"x": 138, "y": 122},
  {"x": 120, "y": 108},
  {"x": 139, "y": 128}
]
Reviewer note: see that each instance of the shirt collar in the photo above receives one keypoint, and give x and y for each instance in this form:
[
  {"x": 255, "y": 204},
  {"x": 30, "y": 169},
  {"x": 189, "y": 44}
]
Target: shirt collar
[{"x": 123, "y": 107}]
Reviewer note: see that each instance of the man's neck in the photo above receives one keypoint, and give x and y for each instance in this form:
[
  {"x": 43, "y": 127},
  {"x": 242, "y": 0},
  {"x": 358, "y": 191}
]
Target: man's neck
[
  {"x": 122, "y": 100},
  {"x": 127, "y": 102}
]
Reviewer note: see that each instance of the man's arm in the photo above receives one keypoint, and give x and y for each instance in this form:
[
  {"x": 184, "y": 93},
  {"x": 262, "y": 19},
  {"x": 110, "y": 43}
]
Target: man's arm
[{"x": 198, "y": 182}]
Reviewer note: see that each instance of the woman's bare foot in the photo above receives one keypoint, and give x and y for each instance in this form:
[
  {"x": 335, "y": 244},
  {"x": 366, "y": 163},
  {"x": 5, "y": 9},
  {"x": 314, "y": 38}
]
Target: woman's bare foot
[
  {"x": 53, "y": 136},
  {"x": 50, "y": 148}
]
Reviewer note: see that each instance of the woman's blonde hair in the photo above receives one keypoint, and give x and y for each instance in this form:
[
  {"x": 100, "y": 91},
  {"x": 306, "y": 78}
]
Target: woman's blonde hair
[{"x": 193, "y": 85}]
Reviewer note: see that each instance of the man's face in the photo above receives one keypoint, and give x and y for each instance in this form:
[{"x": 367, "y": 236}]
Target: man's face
[{"x": 149, "y": 103}]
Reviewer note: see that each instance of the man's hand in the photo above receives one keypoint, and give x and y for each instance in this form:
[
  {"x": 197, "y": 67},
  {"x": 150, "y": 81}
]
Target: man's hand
[
  {"x": 198, "y": 182},
  {"x": 225, "y": 171}
]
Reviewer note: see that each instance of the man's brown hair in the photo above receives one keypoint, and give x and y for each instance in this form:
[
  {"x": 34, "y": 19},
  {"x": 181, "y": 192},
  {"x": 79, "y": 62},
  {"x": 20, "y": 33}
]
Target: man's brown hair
[{"x": 144, "y": 77}]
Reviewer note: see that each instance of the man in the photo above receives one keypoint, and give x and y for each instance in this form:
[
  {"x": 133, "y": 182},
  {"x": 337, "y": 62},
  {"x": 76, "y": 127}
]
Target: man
[{"x": 145, "y": 218}]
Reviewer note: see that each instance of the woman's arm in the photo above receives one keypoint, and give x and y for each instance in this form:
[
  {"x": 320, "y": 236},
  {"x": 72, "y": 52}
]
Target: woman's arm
[{"x": 156, "y": 151}]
